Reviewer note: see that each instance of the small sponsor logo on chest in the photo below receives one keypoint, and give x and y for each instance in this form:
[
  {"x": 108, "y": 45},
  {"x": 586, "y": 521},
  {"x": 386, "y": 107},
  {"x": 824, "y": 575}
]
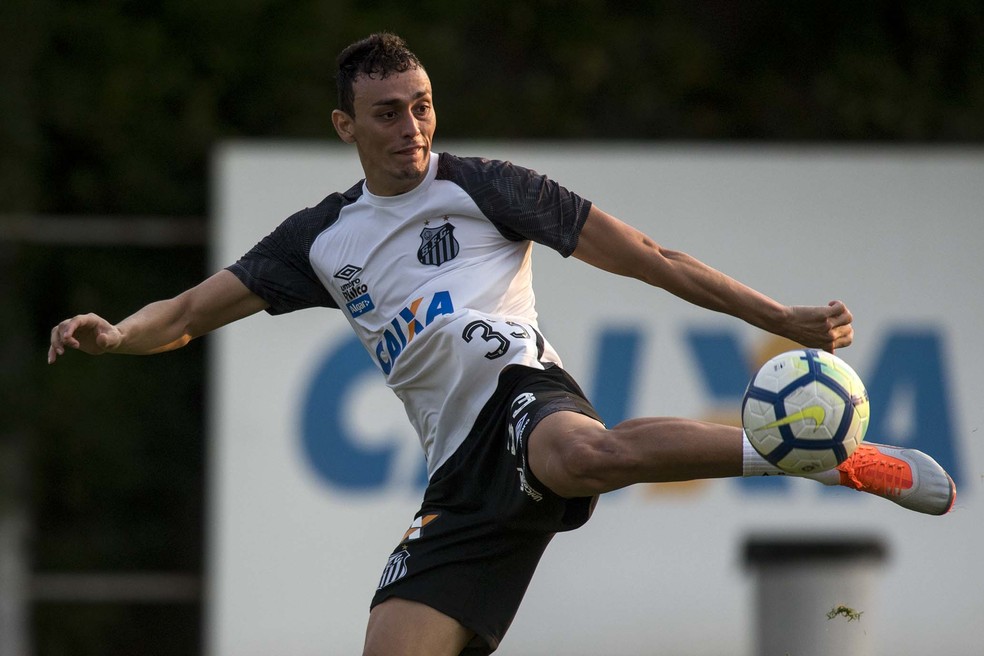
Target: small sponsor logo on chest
[{"x": 356, "y": 293}]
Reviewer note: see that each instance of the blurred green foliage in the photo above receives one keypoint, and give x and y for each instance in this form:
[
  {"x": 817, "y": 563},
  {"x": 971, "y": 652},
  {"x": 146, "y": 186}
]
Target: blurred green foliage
[
  {"x": 121, "y": 448},
  {"x": 115, "y": 447},
  {"x": 116, "y": 629},
  {"x": 113, "y": 107}
]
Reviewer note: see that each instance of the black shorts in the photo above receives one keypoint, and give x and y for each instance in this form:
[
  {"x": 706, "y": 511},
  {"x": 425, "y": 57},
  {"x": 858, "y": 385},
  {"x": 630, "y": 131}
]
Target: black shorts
[{"x": 485, "y": 519}]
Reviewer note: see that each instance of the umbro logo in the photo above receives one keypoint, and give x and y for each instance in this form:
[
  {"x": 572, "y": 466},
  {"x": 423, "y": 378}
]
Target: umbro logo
[{"x": 347, "y": 272}]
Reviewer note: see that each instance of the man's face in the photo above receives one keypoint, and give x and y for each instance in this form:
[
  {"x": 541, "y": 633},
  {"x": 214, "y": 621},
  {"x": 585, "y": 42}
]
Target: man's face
[{"x": 392, "y": 129}]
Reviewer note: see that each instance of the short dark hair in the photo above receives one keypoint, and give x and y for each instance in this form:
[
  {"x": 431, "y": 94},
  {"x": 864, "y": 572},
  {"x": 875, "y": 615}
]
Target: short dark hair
[{"x": 378, "y": 55}]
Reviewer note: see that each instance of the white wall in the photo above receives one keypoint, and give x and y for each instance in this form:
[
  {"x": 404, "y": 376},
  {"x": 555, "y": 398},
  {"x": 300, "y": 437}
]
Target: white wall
[{"x": 896, "y": 233}]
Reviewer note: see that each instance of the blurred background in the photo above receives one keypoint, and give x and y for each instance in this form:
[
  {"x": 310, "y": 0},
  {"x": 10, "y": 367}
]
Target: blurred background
[{"x": 109, "y": 112}]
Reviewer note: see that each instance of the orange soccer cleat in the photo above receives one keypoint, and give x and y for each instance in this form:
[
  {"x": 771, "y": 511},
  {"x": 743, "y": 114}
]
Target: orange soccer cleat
[{"x": 908, "y": 477}]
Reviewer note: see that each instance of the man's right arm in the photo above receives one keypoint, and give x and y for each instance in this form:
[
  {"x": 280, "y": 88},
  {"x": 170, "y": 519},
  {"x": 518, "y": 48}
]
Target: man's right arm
[
  {"x": 609, "y": 244},
  {"x": 162, "y": 325}
]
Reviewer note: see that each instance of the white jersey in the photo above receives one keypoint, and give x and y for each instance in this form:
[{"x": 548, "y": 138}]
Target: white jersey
[{"x": 436, "y": 282}]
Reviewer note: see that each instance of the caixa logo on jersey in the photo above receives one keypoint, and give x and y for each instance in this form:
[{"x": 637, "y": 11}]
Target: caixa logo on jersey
[
  {"x": 908, "y": 376},
  {"x": 409, "y": 323}
]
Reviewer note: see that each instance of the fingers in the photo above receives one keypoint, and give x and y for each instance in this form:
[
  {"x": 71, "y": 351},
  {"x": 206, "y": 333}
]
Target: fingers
[
  {"x": 843, "y": 339},
  {"x": 63, "y": 335},
  {"x": 839, "y": 325},
  {"x": 839, "y": 313}
]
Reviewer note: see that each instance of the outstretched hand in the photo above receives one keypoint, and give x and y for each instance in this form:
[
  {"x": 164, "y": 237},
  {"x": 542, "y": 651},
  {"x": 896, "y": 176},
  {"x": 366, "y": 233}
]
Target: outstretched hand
[
  {"x": 824, "y": 327},
  {"x": 88, "y": 333}
]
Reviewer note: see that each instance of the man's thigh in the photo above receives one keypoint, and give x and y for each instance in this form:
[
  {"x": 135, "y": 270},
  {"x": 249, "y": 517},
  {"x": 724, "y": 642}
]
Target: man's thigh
[
  {"x": 484, "y": 522},
  {"x": 398, "y": 627}
]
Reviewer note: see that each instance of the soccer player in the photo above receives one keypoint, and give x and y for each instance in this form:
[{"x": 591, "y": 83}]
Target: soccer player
[{"x": 428, "y": 258}]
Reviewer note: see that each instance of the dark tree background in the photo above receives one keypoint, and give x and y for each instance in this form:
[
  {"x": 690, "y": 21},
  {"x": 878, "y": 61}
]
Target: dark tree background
[{"x": 112, "y": 108}]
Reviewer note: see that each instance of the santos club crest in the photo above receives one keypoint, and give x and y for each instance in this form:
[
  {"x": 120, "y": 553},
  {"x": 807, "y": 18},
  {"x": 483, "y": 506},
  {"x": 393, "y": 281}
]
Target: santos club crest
[
  {"x": 396, "y": 568},
  {"x": 437, "y": 245}
]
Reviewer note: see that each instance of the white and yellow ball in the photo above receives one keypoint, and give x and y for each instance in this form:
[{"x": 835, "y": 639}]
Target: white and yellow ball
[{"x": 805, "y": 411}]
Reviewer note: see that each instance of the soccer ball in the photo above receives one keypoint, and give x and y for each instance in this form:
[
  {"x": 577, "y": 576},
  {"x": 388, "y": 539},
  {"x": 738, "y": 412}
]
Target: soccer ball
[{"x": 805, "y": 411}]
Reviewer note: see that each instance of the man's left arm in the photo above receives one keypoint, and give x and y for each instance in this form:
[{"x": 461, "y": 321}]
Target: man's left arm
[{"x": 612, "y": 245}]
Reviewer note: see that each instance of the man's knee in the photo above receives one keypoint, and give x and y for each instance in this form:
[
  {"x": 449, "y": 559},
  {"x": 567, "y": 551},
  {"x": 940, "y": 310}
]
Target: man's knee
[
  {"x": 574, "y": 455},
  {"x": 588, "y": 459}
]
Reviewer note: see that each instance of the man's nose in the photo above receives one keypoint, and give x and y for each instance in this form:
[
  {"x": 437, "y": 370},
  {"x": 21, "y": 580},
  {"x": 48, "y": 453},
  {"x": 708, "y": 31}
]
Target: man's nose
[{"x": 410, "y": 125}]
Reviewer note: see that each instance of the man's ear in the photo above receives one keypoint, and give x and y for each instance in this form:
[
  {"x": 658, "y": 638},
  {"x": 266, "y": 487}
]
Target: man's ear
[{"x": 343, "y": 125}]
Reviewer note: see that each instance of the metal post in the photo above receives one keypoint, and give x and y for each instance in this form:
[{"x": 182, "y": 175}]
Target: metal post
[
  {"x": 14, "y": 568},
  {"x": 812, "y": 594},
  {"x": 15, "y": 347}
]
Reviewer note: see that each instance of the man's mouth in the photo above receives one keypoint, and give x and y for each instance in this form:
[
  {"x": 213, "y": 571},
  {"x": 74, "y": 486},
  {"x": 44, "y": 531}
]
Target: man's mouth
[{"x": 410, "y": 151}]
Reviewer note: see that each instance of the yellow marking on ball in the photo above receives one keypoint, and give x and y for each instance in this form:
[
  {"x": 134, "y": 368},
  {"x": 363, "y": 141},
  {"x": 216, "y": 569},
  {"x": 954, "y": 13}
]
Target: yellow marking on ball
[{"x": 814, "y": 412}]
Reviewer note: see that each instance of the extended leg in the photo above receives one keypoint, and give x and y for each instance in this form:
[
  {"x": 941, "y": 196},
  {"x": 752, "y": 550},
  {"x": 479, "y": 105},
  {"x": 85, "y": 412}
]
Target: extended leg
[{"x": 575, "y": 455}]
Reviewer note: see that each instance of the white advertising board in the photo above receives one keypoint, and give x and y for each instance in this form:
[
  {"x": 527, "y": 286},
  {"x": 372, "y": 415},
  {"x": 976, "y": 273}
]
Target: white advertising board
[{"x": 315, "y": 472}]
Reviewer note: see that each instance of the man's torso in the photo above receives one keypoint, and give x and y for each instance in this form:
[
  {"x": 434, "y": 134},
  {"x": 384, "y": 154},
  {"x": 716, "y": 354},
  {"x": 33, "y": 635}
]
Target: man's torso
[{"x": 436, "y": 283}]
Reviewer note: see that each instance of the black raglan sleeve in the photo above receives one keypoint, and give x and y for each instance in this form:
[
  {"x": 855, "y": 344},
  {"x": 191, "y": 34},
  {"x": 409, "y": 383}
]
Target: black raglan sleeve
[
  {"x": 278, "y": 269},
  {"x": 521, "y": 203}
]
